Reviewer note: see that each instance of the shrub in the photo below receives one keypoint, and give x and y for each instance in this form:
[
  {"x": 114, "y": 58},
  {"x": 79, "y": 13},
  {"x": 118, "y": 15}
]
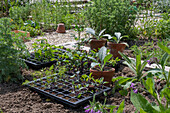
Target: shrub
[
  {"x": 112, "y": 15},
  {"x": 11, "y": 47},
  {"x": 19, "y": 12}
]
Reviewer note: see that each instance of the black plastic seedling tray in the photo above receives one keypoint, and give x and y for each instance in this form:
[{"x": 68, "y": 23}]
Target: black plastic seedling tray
[
  {"x": 35, "y": 64},
  {"x": 65, "y": 94}
]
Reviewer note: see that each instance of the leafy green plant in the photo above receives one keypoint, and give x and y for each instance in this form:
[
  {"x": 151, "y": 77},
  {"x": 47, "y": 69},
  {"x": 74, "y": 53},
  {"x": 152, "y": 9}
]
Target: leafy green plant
[
  {"x": 143, "y": 105},
  {"x": 117, "y": 38},
  {"x": 161, "y": 65},
  {"x": 97, "y": 107},
  {"x": 135, "y": 65},
  {"x": 103, "y": 59},
  {"x": 19, "y": 12},
  {"x": 113, "y": 15},
  {"x": 1, "y": 111},
  {"x": 162, "y": 27},
  {"x": 43, "y": 50},
  {"x": 148, "y": 48},
  {"x": 78, "y": 29},
  {"x": 11, "y": 48},
  {"x": 92, "y": 32},
  {"x": 33, "y": 31}
]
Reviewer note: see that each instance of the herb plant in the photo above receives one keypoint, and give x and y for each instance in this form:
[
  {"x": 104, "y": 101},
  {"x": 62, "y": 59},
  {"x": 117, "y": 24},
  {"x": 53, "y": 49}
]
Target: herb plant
[
  {"x": 135, "y": 65},
  {"x": 161, "y": 65}
]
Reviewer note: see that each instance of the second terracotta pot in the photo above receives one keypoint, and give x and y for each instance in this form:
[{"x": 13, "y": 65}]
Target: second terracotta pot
[
  {"x": 96, "y": 44},
  {"x": 19, "y": 31},
  {"x": 108, "y": 75},
  {"x": 114, "y": 48}
]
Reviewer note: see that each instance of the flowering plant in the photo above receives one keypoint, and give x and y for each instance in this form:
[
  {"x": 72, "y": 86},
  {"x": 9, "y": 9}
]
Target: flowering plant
[
  {"x": 136, "y": 65},
  {"x": 161, "y": 67},
  {"x": 144, "y": 105}
]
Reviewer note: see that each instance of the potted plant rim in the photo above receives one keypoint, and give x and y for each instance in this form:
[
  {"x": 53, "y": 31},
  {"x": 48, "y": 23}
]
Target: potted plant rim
[
  {"x": 114, "y": 44},
  {"x": 96, "y": 41},
  {"x": 99, "y": 68}
]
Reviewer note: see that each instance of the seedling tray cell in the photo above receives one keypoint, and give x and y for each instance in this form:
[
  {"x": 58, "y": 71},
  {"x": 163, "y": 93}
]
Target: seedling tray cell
[{"x": 64, "y": 94}]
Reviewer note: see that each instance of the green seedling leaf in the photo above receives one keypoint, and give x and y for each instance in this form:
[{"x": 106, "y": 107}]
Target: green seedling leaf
[
  {"x": 149, "y": 85},
  {"x": 129, "y": 62},
  {"x": 117, "y": 78},
  {"x": 142, "y": 111},
  {"x": 125, "y": 44},
  {"x": 164, "y": 59},
  {"x": 138, "y": 65},
  {"x": 52, "y": 67},
  {"x": 121, "y": 107},
  {"x": 164, "y": 48},
  {"x": 123, "y": 92},
  {"x": 106, "y": 59},
  {"x": 124, "y": 80},
  {"x": 141, "y": 103},
  {"x": 105, "y": 94}
]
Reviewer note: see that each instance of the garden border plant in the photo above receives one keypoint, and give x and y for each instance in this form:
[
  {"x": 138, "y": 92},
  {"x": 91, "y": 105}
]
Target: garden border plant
[
  {"x": 113, "y": 15},
  {"x": 11, "y": 48}
]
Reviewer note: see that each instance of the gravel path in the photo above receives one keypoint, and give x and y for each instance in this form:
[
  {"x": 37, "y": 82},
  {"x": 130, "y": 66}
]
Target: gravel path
[{"x": 55, "y": 38}]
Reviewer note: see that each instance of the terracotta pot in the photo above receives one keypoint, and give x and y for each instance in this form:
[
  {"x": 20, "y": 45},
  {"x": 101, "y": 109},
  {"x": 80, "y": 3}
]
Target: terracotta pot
[
  {"x": 61, "y": 28},
  {"x": 108, "y": 75},
  {"x": 114, "y": 48},
  {"x": 96, "y": 44},
  {"x": 19, "y": 31}
]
